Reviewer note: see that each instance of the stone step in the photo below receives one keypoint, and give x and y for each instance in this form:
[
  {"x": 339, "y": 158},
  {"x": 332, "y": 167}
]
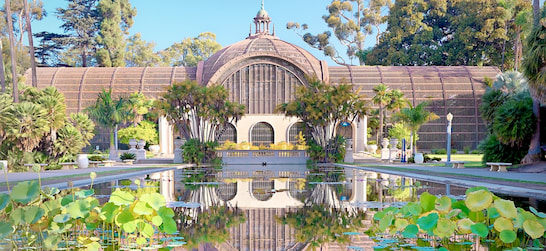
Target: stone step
[{"x": 155, "y": 161}]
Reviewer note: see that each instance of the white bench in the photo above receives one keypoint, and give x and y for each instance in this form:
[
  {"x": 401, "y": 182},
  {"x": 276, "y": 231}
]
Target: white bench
[
  {"x": 458, "y": 164},
  {"x": 68, "y": 165},
  {"x": 498, "y": 166},
  {"x": 94, "y": 163},
  {"x": 42, "y": 166},
  {"x": 108, "y": 162}
]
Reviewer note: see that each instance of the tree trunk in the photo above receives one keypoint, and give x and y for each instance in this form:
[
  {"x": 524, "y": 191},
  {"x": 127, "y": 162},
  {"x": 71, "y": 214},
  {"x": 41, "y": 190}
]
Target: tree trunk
[
  {"x": 113, "y": 153},
  {"x": 30, "y": 45},
  {"x": 14, "y": 79},
  {"x": 536, "y": 12},
  {"x": 2, "y": 76}
]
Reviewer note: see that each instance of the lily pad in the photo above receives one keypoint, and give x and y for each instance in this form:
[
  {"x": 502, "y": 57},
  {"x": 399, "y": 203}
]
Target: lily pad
[
  {"x": 443, "y": 204},
  {"x": 427, "y": 201},
  {"x": 25, "y": 191},
  {"x": 507, "y": 236},
  {"x": 428, "y": 222},
  {"x": 120, "y": 197},
  {"x": 502, "y": 223},
  {"x": 506, "y": 208},
  {"x": 533, "y": 228},
  {"x": 480, "y": 229},
  {"x": 410, "y": 231},
  {"x": 478, "y": 200},
  {"x": 464, "y": 226},
  {"x": 537, "y": 213}
]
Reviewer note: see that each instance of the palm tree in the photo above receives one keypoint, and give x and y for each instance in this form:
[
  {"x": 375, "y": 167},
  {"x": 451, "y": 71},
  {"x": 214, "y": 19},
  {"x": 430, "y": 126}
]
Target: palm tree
[
  {"x": 534, "y": 68},
  {"x": 53, "y": 102},
  {"x": 28, "y": 125},
  {"x": 414, "y": 117},
  {"x": 5, "y": 106},
  {"x": 139, "y": 105},
  {"x": 381, "y": 98},
  {"x": 110, "y": 113}
]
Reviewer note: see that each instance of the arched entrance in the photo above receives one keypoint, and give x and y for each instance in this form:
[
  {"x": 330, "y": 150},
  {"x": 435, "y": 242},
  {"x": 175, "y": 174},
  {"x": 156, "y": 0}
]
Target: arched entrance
[{"x": 262, "y": 134}]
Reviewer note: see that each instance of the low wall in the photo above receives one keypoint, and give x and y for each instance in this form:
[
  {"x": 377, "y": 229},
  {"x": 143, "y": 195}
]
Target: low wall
[{"x": 254, "y": 157}]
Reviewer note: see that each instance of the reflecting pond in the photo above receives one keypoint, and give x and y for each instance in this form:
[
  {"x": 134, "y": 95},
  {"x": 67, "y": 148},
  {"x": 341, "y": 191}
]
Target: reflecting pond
[{"x": 290, "y": 207}]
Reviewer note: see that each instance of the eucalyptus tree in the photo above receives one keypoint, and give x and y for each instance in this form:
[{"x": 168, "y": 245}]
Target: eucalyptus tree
[
  {"x": 12, "y": 53},
  {"x": 199, "y": 112},
  {"x": 110, "y": 113},
  {"x": 414, "y": 118},
  {"x": 381, "y": 98},
  {"x": 191, "y": 51},
  {"x": 350, "y": 21},
  {"x": 322, "y": 107},
  {"x": 116, "y": 17},
  {"x": 140, "y": 53},
  {"x": 81, "y": 25}
]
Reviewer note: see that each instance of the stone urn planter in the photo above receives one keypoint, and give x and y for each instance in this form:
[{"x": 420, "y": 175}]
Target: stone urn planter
[
  {"x": 154, "y": 149},
  {"x": 82, "y": 161},
  {"x": 141, "y": 143},
  {"x": 419, "y": 158},
  {"x": 372, "y": 148},
  {"x": 132, "y": 143}
]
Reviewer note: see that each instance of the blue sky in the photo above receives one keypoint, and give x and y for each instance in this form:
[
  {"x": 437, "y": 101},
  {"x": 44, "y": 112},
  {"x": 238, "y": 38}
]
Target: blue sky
[{"x": 168, "y": 21}]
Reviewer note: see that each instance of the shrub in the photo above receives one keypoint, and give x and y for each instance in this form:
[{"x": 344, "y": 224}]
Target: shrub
[
  {"x": 495, "y": 151},
  {"x": 145, "y": 130},
  {"x": 97, "y": 158},
  {"x": 475, "y": 151},
  {"x": 453, "y": 151},
  {"x": 466, "y": 149},
  {"x": 126, "y": 156},
  {"x": 438, "y": 151},
  {"x": 372, "y": 142},
  {"x": 197, "y": 152}
]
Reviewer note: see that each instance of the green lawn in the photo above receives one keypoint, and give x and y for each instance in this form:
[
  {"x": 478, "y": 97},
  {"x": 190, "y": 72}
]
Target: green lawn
[{"x": 474, "y": 160}]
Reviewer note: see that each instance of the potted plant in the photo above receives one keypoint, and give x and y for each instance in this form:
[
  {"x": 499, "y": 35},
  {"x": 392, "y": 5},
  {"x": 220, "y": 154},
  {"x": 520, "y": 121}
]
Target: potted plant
[
  {"x": 128, "y": 157},
  {"x": 372, "y": 146}
]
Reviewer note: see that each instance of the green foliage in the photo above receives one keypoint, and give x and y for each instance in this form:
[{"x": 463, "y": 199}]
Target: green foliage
[
  {"x": 140, "y": 53},
  {"x": 127, "y": 155},
  {"x": 414, "y": 117},
  {"x": 448, "y": 222},
  {"x": 320, "y": 105},
  {"x": 495, "y": 151},
  {"x": 197, "y": 152},
  {"x": 533, "y": 60},
  {"x": 350, "y": 22},
  {"x": 446, "y": 33},
  {"x": 145, "y": 130},
  {"x": 191, "y": 51},
  {"x": 400, "y": 131},
  {"x": 199, "y": 112},
  {"x": 116, "y": 17}
]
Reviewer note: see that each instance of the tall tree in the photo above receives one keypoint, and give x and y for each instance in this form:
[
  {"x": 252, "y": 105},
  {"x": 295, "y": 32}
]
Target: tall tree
[
  {"x": 12, "y": 52},
  {"x": 191, "y": 50},
  {"x": 414, "y": 118},
  {"x": 110, "y": 113},
  {"x": 30, "y": 43},
  {"x": 381, "y": 98},
  {"x": 81, "y": 23},
  {"x": 116, "y": 19},
  {"x": 140, "y": 53},
  {"x": 322, "y": 107},
  {"x": 351, "y": 21},
  {"x": 48, "y": 49},
  {"x": 534, "y": 68}
]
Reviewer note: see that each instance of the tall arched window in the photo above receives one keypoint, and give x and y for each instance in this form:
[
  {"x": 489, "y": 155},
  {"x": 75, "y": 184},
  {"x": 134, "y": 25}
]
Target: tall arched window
[
  {"x": 229, "y": 134},
  {"x": 262, "y": 134},
  {"x": 295, "y": 130}
]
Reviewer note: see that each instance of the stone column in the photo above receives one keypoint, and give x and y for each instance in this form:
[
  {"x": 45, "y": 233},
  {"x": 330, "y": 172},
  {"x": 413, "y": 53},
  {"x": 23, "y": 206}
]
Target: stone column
[
  {"x": 361, "y": 134},
  {"x": 178, "y": 142},
  {"x": 349, "y": 151},
  {"x": 165, "y": 136}
]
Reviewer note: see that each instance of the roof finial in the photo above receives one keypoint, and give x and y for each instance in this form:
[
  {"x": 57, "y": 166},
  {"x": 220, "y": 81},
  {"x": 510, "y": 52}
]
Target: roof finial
[{"x": 263, "y": 5}]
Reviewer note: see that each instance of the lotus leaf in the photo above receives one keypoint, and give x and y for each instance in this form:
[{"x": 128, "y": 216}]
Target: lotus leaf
[
  {"x": 400, "y": 224},
  {"x": 480, "y": 229},
  {"x": 157, "y": 220},
  {"x": 155, "y": 200},
  {"x": 78, "y": 209},
  {"x": 5, "y": 229},
  {"x": 33, "y": 214},
  {"x": 108, "y": 212},
  {"x": 61, "y": 218},
  {"x": 124, "y": 217},
  {"x": 492, "y": 212},
  {"x": 141, "y": 241},
  {"x": 537, "y": 213},
  {"x": 473, "y": 189},
  {"x": 507, "y": 236},
  {"x": 427, "y": 201},
  {"x": 506, "y": 208},
  {"x": 462, "y": 206},
  {"x": 165, "y": 213},
  {"x": 145, "y": 229},
  {"x": 25, "y": 191},
  {"x": 385, "y": 222},
  {"x": 522, "y": 217},
  {"x": 130, "y": 226},
  {"x": 17, "y": 216},
  {"x": 50, "y": 206},
  {"x": 502, "y": 223},
  {"x": 142, "y": 208},
  {"x": 464, "y": 226},
  {"x": 413, "y": 209},
  {"x": 4, "y": 200},
  {"x": 52, "y": 241},
  {"x": 379, "y": 215},
  {"x": 67, "y": 200},
  {"x": 443, "y": 204},
  {"x": 410, "y": 231},
  {"x": 478, "y": 200},
  {"x": 444, "y": 228},
  {"x": 428, "y": 222},
  {"x": 120, "y": 197},
  {"x": 84, "y": 193},
  {"x": 533, "y": 228},
  {"x": 476, "y": 216},
  {"x": 453, "y": 213},
  {"x": 169, "y": 226},
  {"x": 93, "y": 246}
]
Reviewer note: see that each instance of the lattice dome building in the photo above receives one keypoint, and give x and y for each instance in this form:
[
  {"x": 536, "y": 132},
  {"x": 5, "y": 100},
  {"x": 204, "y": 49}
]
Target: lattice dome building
[{"x": 263, "y": 71}]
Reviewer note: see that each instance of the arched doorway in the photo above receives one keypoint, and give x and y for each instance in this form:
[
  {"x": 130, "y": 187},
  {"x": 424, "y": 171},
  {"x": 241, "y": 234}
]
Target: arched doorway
[
  {"x": 295, "y": 130},
  {"x": 345, "y": 129},
  {"x": 262, "y": 134}
]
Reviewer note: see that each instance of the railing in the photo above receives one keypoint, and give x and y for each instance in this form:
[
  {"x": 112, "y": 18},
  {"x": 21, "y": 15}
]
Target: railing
[{"x": 263, "y": 156}]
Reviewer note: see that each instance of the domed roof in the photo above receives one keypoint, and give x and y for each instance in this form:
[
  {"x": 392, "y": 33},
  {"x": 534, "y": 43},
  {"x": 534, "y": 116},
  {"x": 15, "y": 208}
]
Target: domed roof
[
  {"x": 262, "y": 13},
  {"x": 255, "y": 49}
]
